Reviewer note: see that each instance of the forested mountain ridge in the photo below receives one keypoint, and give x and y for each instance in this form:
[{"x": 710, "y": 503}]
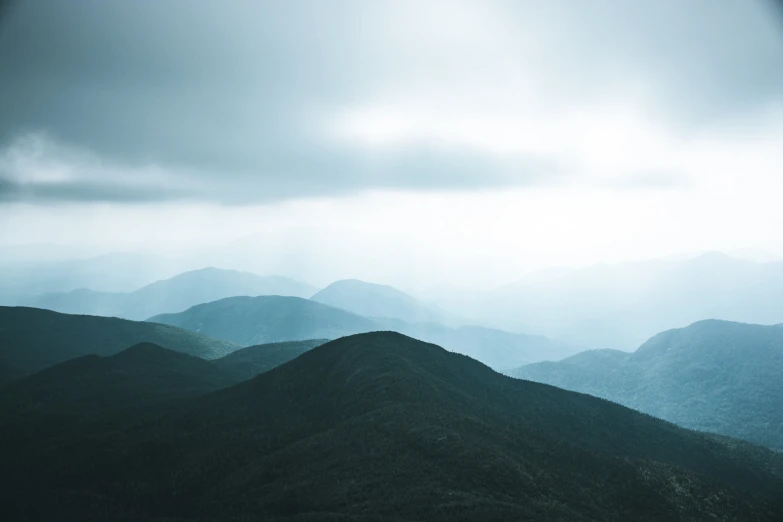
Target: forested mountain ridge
[
  {"x": 137, "y": 378},
  {"x": 381, "y": 427},
  {"x": 716, "y": 376},
  {"x": 142, "y": 377}
]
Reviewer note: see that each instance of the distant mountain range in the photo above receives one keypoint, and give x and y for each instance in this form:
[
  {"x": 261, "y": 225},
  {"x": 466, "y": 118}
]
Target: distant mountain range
[
  {"x": 371, "y": 427},
  {"x": 26, "y": 274},
  {"x": 615, "y": 306},
  {"x": 32, "y": 339},
  {"x": 715, "y": 376},
  {"x": 170, "y": 295},
  {"x": 373, "y": 300},
  {"x": 266, "y": 319},
  {"x": 620, "y": 306}
]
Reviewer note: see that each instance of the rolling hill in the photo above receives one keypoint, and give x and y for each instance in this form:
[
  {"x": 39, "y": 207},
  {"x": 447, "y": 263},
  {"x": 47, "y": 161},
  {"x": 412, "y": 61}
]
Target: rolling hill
[
  {"x": 382, "y": 427},
  {"x": 32, "y": 339},
  {"x": 266, "y": 319},
  {"x": 715, "y": 376},
  {"x": 373, "y": 300},
  {"x": 136, "y": 378},
  {"x": 171, "y": 295},
  {"x": 143, "y": 377}
]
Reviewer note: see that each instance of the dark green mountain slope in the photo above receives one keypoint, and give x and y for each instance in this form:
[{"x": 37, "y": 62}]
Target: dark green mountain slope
[
  {"x": 382, "y": 427},
  {"x": 91, "y": 392},
  {"x": 171, "y": 295},
  {"x": 32, "y": 339},
  {"x": 373, "y": 300},
  {"x": 137, "y": 378},
  {"x": 715, "y": 376},
  {"x": 141, "y": 377},
  {"x": 74, "y": 400},
  {"x": 267, "y": 319},
  {"x": 248, "y": 362}
]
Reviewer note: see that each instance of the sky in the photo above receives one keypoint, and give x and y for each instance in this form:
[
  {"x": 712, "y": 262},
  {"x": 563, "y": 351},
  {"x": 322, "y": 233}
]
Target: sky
[{"x": 466, "y": 141}]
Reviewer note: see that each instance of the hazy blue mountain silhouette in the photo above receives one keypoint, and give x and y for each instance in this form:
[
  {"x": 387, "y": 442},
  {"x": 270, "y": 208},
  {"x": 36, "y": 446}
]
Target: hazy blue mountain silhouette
[
  {"x": 373, "y": 300},
  {"x": 171, "y": 295},
  {"x": 715, "y": 376},
  {"x": 266, "y": 319}
]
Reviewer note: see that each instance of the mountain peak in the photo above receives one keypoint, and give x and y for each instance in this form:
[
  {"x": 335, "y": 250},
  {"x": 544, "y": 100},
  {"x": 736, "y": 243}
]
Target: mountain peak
[
  {"x": 718, "y": 376},
  {"x": 726, "y": 341},
  {"x": 375, "y": 300},
  {"x": 358, "y": 285},
  {"x": 384, "y": 351},
  {"x": 267, "y": 319},
  {"x": 144, "y": 348},
  {"x": 717, "y": 258},
  {"x": 702, "y": 332},
  {"x": 148, "y": 352},
  {"x": 370, "y": 370}
]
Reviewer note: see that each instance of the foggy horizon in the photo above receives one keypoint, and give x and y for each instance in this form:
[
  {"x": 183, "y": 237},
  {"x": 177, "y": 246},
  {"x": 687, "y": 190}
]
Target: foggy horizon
[
  {"x": 463, "y": 142},
  {"x": 168, "y": 260}
]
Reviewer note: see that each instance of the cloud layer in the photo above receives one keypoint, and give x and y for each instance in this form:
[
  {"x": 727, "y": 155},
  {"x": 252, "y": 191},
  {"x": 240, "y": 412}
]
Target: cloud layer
[{"x": 255, "y": 102}]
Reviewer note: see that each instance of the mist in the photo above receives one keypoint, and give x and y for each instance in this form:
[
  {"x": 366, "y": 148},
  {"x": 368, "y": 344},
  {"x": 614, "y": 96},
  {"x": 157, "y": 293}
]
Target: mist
[
  {"x": 464, "y": 156},
  {"x": 298, "y": 260}
]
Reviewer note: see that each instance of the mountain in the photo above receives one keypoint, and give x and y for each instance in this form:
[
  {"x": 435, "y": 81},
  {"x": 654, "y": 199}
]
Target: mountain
[
  {"x": 266, "y": 319},
  {"x": 142, "y": 377},
  {"x": 171, "y": 295},
  {"x": 382, "y": 427},
  {"x": 714, "y": 376},
  {"x": 32, "y": 339},
  {"x": 246, "y": 363},
  {"x": 82, "y": 301},
  {"x": 26, "y": 272},
  {"x": 620, "y": 306},
  {"x": 373, "y": 300},
  {"x": 136, "y": 378}
]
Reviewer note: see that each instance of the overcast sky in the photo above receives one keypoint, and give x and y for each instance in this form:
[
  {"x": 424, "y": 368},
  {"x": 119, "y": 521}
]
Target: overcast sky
[{"x": 474, "y": 137}]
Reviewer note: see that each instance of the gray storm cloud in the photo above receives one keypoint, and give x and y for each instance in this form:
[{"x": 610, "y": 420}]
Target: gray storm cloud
[{"x": 240, "y": 102}]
